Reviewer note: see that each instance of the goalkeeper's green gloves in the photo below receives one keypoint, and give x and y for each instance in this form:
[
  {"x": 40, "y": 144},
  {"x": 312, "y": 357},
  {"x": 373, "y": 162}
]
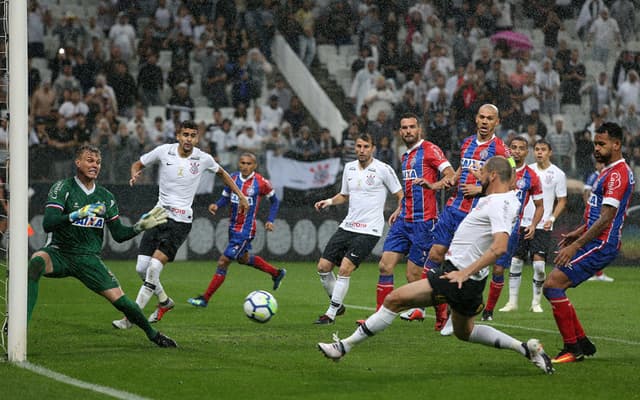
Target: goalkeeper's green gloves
[
  {"x": 153, "y": 218},
  {"x": 90, "y": 210}
]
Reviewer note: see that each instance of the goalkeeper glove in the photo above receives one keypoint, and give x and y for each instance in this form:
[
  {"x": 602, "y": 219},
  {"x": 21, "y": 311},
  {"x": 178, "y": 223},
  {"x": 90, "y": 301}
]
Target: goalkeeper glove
[
  {"x": 90, "y": 210},
  {"x": 153, "y": 218}
]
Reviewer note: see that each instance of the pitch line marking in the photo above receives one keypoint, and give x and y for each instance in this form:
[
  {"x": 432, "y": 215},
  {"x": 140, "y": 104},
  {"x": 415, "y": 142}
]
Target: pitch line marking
[
  {"x": 115, "y": 393},
  {"x": 526, "y": 328}
]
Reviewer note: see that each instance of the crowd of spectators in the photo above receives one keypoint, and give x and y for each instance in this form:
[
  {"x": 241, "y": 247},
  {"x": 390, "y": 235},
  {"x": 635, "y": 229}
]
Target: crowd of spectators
[
  {"x": 434, "y": 58},
  {"x": 438, "y": 59}
]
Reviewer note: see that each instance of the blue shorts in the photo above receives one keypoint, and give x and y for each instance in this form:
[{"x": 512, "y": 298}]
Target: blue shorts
[
  {"x": 412, "y": 238},
  {"x": 516, "y": 235},
  {"x": 238, "y": 245},
  {"x": 590, "y": 259},
  {"x": 448, "y": 222}
]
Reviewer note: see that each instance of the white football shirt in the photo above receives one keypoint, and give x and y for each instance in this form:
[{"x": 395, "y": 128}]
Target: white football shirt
[
  {"x": 493, "y": 214},
  {"x": 178, "y": 178},
  {"x": 554, "y": 185},
  {"x": 367, "y": 191}
]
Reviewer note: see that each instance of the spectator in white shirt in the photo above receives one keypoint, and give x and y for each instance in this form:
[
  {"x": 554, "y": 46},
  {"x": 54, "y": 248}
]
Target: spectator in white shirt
[
  {"x": 629, "y": 91},
  {"x": 272, "y": 112},
  {"x": 380, "y": 98},
  {"x": 69, "y": 110},
  {"x": 602, "y": 34},
  {"x": 548, "y": 80},
  {"x": 123, "y": 35},
  {"x": 563, "y": 144},
  {"x": 248, "y": 141}
]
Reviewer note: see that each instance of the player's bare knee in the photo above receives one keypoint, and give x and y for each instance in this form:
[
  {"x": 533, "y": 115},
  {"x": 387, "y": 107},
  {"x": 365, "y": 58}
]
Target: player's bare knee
[
  {"x": 393, "y": 302},
  {"x": 498, "y": 270},
  {"x": 385, "y": 268},
  {"x": 324, "y": 265},
  {"x": 436, "y": 254},
  {"x": 413, "y": 273}
]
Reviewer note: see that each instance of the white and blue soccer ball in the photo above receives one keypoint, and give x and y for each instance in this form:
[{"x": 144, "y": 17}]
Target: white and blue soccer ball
[{"x": 260, "y": 306}]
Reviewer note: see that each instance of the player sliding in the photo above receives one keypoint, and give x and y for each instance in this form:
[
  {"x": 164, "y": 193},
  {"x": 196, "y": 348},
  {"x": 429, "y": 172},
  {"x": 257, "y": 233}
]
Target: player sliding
[{"x": 481, "y": 238}]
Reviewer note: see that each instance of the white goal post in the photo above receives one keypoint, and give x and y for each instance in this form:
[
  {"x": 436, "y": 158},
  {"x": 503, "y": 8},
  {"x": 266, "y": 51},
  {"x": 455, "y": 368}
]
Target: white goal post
[{"x": 18, "y": 180}]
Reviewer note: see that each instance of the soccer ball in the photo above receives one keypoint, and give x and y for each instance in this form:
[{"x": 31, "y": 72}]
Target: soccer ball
[{"x": 260, "y": 306}]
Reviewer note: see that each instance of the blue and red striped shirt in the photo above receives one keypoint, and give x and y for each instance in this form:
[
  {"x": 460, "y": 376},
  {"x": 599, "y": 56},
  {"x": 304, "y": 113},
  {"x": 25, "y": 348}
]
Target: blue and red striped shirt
[
  {"x": 425, "y": 160},
  {"x": 254, "y": 188},
  {"x": 473, "y": 156},
  {"x": 614, "y": 187},
  {"x": 527, "y": 185}
]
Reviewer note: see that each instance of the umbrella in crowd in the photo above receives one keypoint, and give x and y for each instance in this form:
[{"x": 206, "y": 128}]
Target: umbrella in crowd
[{"x": 515, "y": 40}]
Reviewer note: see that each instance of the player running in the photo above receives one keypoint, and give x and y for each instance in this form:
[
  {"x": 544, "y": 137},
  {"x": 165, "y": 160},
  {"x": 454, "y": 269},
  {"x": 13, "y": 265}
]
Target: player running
[{"x": 242, "y": 226}]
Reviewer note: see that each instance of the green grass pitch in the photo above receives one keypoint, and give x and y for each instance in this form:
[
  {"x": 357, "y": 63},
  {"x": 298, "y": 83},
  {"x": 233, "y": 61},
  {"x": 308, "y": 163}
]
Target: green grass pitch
[{"x": 224, "y": 355}]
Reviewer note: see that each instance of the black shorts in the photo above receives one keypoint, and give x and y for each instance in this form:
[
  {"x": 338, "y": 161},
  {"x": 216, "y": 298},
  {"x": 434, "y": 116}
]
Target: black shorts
[
  {"x": 540, "y": 245},
  {"x": 166, "y": 237},
  {"x": 354, "y": 246},
  {"x": 466, "y": 301}
]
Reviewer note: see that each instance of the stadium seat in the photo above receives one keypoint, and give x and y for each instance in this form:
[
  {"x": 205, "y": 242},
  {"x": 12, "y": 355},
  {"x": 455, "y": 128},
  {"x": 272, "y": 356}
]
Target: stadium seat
[
  {"x": 196, "y": 69},
  {"x": 40, "y": 63},
  {"x": 344, "y": 79},
  {"x": 204, "y": 114},
  {"x": 537, "y": 37},
  {"x": 348, "y": 49},
  {"x": 227, "y": 112},
  {"x": 195, "y": 90},
  {"x": 200, "y": 101},
  {"x": 633, "y": 45},
  {"x": 325, "y": 51},
  {"x": 155, "y": 111}
]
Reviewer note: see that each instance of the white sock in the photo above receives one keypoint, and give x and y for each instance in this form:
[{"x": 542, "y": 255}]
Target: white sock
[
  {"x": 377, "y": 322},
  {"x": 490, "y": 336},
  {"x": 151, "y": 284},
  {"x": 515, "y": 278},
  {"x": 328, "y": 280},
  {"x": 538, "y": 281},
  {"x": 337, "y": 298},
  {"x": 142, "y": 264},
  {"x": 144, "y": 295}
]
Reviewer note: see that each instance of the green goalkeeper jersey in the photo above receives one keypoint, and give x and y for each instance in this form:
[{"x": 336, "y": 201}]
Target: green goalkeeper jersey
[{"x": 84, "y": 236}]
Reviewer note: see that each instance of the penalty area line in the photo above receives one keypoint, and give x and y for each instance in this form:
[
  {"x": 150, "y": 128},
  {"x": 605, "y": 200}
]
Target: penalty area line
[
  {"x": 525, "y": 328},
  {"x": 115, "y": 393}
]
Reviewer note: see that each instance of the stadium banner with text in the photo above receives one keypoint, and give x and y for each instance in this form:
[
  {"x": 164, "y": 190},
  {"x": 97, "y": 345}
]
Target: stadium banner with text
[
  {"x": 300, "y": 233},
  {"x": 301, "y": 175}
]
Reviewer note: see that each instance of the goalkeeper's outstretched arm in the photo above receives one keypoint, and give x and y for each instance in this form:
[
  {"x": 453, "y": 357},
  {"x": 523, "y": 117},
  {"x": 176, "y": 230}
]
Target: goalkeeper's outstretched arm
[{"x": 120, "y": 232}]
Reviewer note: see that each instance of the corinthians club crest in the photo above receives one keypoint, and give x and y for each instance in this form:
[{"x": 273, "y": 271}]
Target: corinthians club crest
[
  {"x": 194, "y": 167},
  {"x": 320, "y": 173}
]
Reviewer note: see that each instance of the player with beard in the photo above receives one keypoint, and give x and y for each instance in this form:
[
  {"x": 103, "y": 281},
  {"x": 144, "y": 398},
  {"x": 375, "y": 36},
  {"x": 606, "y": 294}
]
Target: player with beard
[
  {"x": 594, "y": 244},
  {"x": 480, "y": 239}
]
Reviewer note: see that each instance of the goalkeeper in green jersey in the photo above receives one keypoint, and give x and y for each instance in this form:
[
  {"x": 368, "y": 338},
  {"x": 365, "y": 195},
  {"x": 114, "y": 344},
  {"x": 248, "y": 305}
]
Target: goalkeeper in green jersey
[{"x": 76, "y": 214}]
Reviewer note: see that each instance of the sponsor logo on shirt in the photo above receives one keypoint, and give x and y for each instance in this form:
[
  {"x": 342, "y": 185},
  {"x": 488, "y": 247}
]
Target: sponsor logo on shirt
[
  {"x": 356, "y": 225},
  {"x": 470, "y": 163},
  {"x": 409, "y": 174},
  {"x": 235, "y": 200},
  {"x": 90, "y": 222},
  {"x": 177, "y": 211}
]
